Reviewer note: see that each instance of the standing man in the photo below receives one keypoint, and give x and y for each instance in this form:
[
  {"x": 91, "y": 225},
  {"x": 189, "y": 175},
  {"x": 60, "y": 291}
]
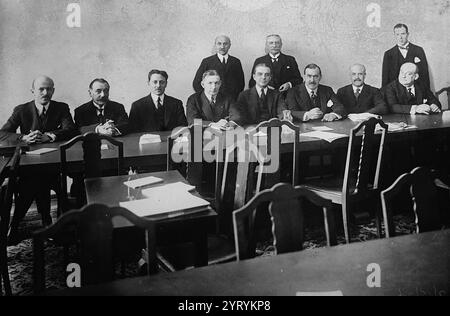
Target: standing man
[
  {"x": 157, "y": 111},
  {"x": 285, "y": 72},
  {"x": 209, "y": 105},
  {"x": 402, "y": 53},
  {"x": 407, "y": 95},
  {"x": 40, "y": 121},
  {"x": 359, "y": 97},
  {"x": 101, "y": 115},
  {"x": 313, "y": 101},
  {"x": 228, "y": 67},
  {"x": 260, "y": 103}
]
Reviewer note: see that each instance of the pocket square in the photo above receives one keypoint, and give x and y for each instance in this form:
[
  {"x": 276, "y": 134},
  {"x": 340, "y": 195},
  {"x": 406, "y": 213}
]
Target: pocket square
[
  {"x": 288, "y": 67},
  {"x": 330, "y": 104},
  {"x": 425, "y": 101},
  {"x": 417, "y": 60}
]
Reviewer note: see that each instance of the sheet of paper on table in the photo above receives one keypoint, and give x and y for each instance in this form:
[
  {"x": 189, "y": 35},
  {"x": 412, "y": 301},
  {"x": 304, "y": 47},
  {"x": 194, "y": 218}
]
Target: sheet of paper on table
[
  {"x": 327, "y": 136},
  {"x": 320, "y": 294},
  {"x": 175, "y": 188},
  {"x": 142, "y": 182},
  {"x": 400, "y": 126},
  {"x": 321, "y": 129},
  {"x": 41, "y": 151},
  {"x": 174, "y": 204},
  {"x": 357, "y": 117},
  {"x": 149, "y": 139}
]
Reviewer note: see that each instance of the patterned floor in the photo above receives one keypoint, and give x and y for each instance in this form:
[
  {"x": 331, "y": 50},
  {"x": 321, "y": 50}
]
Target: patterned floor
[{"x": 20, "y": 257}]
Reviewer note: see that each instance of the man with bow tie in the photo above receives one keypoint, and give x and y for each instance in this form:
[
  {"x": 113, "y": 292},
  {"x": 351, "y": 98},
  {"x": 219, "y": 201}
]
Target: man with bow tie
[
  {"x": 39, "y": 121},
  {"x": 209, "y": 105},
  {"x": 101, "y": 115},
  {"x": 285, "y": 72},
  {"x": 407, "y": 95},
  {"x": 228, "y": 67},
  {"x": 401, "y": 53}
]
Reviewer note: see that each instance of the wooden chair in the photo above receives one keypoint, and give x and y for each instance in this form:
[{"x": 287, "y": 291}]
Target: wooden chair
[
  {"x": 274, "y": 129},
  {"x": 6, "y": 199},
  {"x": 93, "y": 229},
  {"x": 285, "y": 207},
  {"x": 362, "y": 173},
  {"x": 93, "y": 164},
  {"x": 424, "y": 189},
  {"x": 446, "y": 89}
]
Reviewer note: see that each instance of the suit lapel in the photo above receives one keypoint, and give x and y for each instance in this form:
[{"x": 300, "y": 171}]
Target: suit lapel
[
  {"x": 34, "y": 115},
  {"x": 304, "y": 98},
  {"x": 363, "y": 96},
  {"x": 206, "y": 106},
  {"x": 323, "y": 99},
  {"x": 419, "y": 94},
  {"x": 403, "y": 96},
  {"x": 254, "y": 99},
  {"x": 270, "y": 101}
]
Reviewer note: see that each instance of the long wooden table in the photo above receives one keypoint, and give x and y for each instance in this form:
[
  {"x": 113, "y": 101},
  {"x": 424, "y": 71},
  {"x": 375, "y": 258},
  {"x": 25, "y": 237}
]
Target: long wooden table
[
  {"x": 190, "y": 227},
  {"x": 156, "y": 154},
  {"x": 410, "y": 265}
]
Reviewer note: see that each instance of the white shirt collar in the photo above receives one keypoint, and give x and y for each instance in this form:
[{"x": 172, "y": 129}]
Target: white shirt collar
[
  {"x": 413, "y": 89},
  {"x": 40, "y": 107},
  {"x": 221, "y": 57},
  {"x": 209, "y": 97},
  {"x": 360, "y": 88},
  {"x": 258, "y": 89},
  {"x": 98, "y": 106},
  {"x": 309, "y": 90},
  {"x": 274, "y": 56},
  {"x": 404, "y": 46},
  {"x": 155, "y": 98}
]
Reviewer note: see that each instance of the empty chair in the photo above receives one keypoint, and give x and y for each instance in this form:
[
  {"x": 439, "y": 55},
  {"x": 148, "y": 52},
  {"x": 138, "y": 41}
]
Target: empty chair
[
  {"x": 429, "y": 206},
  {"x": 286, "y": 214},
  {"x": 92, "y": 227},
  {"x": 7, "y": 190},
  {"x": 93, "y": 166},
  {"x": 360, "y": 182}
]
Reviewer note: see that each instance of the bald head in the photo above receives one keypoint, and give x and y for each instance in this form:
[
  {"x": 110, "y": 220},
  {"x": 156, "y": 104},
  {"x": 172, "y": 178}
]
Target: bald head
[
  {"x": 358, "y": 75},
  {"x": 42, "y": 88},
  {"x": 408, "y": 74},
  {"x": 222, "y": 44}
]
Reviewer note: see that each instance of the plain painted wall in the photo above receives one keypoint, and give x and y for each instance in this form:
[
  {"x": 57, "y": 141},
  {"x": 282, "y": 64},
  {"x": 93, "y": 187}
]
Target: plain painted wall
[{"x": 122, "y": 40}]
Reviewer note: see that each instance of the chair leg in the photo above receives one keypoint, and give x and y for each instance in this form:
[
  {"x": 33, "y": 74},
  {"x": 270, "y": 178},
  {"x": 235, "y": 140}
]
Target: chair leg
[
  {"x": 345, "y": 221},
  {"x": 4, "y": 274},
  {"x": 330, "y": 227}
]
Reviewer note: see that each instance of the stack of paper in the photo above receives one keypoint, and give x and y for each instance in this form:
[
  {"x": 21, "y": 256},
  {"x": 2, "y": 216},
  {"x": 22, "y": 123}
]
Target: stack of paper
[
  {"x": 174, "y": 188},
  {"x": 321, "y": 128},
  {"x": 393, "y": 127},
  {"x": 149, "y": 139},
  {"x": 142, "y": 182},
  {"x": 329, "y": 137},
  {"x": 41, "y": 151},
  {"x": 362, "y": 117}
]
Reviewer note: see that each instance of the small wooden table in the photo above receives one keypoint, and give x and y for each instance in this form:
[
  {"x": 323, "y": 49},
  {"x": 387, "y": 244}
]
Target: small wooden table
[
  {"x": 412, "y": 265},
  {"x": 190, "y": 227}
]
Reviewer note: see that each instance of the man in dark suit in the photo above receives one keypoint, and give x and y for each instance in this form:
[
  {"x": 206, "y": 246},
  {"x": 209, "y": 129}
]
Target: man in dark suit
[
  {"x": 313, "y": 101},
  {"x": 359, "y": 97},
  {"x": 40, "y": 121},
  {"x": 285, "y": 72},
  {"x": 402, "y": 53},
  {"x": 101, "y": 115},
  {"x": 407, "y": 95},
  {"x": 210, "y": 105},
  {"x": 157, "y": 111},
  {"x": 259, "y": 103},
  {"x": 228, "y": 67}
]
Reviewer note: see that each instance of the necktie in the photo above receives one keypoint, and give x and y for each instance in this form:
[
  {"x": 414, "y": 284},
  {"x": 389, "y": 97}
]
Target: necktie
[
  {"x": 213, "y": 102},
  {"x": 357, "y": 93},
  {"x": 411, "y": 94},
  {"x": 100, "y": 115},
  {"x": 274, "y": 60},
  {"x": 314, "y": 99},
  {"x": 43, "y": 114},
  {"x": 404, "y": 48},
  {"x": 159, "y": 105},
  {"x": 224, "y": 62}
]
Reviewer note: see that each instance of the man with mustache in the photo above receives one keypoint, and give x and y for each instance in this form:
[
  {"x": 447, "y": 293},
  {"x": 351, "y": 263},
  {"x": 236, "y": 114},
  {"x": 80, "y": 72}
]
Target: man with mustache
[
  {"x": 407, "y": 95},
  {"x": 402, "y": 53},
  {"x": 157, "y": 111},
  {"x": 101, "y": 115},
  {"x": 39, "y": 121},
  {"x": 360, "y": 97},
  {"x": 209, "y": 105},
  {"x": 313, "y": 101},
  {"x": 228, "y": 67},
  {"x": 259, "y": 103},
  {"x": 285, "y": 72}
]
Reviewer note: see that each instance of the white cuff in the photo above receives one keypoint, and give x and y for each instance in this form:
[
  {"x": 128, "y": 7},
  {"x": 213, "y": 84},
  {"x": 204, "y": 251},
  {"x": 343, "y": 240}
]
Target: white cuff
[
  {"x": 305, "y": 117},
  {"x": 52, "y": 136},
  {"x": 338, "y": 116},
  {"x": 413, "y": 110}
]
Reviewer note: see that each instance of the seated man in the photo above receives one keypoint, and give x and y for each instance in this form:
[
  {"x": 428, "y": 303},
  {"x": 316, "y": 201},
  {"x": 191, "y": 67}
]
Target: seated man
[
  {"x": 157, "y": 111},
  {"x": 313, "y": 101},
  {"x": 210, "y": 105},
  {"x": 40, "y": 121},
  {"x": 408, "y": 96},
  {"x": 101, "y": 115},
  {"x": 359, "y": 97},
  {"x": 258, "y": 104}
]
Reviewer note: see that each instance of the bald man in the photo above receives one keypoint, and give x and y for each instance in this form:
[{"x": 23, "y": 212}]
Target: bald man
[
  {"x": 228, "y": 67},
  {"x": 360, "y": 97},
  {"x": 39, "y": 121},
  {"x": 407, "y": 95}
]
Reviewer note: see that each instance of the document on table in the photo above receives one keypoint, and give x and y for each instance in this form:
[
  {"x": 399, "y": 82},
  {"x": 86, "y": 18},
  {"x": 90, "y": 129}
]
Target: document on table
[
  {"x": 173, "y": 203},
  {"x": 329, "y": 137},
  {"x": 393, "y": 127},
  {"x": 320, "y": 294},
  {"x": 321, "y": 129},
  {"x": 41, "y": 151},
  {"x": 142, "y": 182},
  {"x": 357, "y": 117},
  {"x": 149, "y": 139},
  {"x": 175, "y": 188}
]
